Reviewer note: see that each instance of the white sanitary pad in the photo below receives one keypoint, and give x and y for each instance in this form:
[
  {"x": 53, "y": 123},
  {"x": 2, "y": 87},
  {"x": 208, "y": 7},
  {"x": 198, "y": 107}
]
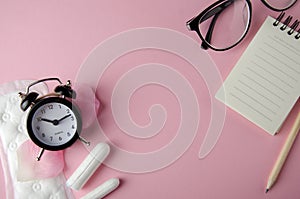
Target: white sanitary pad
[{"x": 12, "y": 134}]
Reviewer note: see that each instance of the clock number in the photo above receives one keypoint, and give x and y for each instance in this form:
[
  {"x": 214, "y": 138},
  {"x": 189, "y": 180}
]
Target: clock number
[
  {"x": 38, "y": 128},
  {"x": 68, "y": 111},
  {"x": 43, "y": 135},
  {"x": 39, "y": 119},
  {"x": 72, "y": 118},
  {"x": 60, "y": 138},
  {"x": 43, "y": 111},
  {"x": 73, "y": 127},
  {"x": 50, "y": 106},
  {"x": 68, "y": 134},
  {"x": 59, "y": 106},
  {"x": 51, "y": 138}
]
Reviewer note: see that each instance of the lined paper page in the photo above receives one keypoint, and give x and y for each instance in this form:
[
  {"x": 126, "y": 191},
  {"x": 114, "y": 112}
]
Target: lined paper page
[{"x": 265, "y": 83}]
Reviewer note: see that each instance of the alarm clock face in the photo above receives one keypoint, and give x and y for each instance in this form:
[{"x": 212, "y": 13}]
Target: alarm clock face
[{"x": 54, "y": 123}]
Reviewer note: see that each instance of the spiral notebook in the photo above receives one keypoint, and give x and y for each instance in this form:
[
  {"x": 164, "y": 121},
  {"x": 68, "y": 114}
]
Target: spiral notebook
[{"x": 264, "y": 85}]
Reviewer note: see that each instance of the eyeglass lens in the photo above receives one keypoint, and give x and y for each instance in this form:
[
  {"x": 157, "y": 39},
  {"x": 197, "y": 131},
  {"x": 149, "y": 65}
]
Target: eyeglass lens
[{"x": 228, "y": 24}]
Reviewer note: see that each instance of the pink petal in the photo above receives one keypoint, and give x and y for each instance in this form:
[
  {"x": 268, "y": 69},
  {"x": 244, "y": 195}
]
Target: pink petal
[
  {"x": 88, "y": 104},
  {"x": 50, "y": 165}
]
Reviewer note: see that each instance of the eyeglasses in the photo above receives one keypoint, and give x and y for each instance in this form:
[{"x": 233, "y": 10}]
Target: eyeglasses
[{"x": 225, "y": 23}]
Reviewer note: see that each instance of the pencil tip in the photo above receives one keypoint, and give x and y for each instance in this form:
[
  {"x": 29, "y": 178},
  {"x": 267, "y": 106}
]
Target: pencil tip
[{"x": 267, "y": 190}]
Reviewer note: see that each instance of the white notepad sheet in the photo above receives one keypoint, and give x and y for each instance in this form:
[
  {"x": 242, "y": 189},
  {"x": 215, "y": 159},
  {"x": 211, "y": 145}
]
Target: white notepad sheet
[{"x": 264, "y": 85}]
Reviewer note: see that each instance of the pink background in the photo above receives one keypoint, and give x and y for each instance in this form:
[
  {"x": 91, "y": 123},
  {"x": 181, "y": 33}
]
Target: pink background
[{"x": 52, "y": 38}]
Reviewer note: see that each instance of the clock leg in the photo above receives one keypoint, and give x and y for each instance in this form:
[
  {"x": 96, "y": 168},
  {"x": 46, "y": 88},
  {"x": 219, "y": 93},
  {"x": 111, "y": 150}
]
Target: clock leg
[
  {"x": 84, "y": 141},
  {"x": 38, "y": 158}
]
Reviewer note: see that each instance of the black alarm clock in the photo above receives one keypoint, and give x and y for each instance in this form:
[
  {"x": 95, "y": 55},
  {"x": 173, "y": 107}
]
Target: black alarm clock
[{"x": 54, "y": 121}]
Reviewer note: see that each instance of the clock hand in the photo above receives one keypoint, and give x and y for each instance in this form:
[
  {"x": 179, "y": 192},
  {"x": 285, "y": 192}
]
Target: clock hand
[
  {"x": 64, "y": 117},
  {"x": 54, "y": 122},
  {"x": 47, "y": 120}
]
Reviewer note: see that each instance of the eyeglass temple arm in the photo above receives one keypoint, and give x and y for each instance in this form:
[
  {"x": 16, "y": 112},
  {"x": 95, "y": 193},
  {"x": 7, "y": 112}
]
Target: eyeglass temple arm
[
  {"x": 216, "y": 12},
  {"x": 209, "y": 32},
  {"x": 209, "y": 12}
]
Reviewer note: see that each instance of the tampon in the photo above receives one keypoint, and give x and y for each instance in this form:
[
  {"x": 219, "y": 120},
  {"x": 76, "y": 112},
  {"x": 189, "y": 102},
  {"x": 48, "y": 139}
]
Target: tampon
[
  {"x": 89, "y": 165},
  {"x": 103, "y": 189}
]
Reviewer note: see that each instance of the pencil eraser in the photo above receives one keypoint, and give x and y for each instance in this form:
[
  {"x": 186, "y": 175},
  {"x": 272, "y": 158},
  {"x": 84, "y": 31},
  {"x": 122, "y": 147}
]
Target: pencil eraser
[
  {"x": 88, "y": 166},
  {"x": 103, "y": 190}
]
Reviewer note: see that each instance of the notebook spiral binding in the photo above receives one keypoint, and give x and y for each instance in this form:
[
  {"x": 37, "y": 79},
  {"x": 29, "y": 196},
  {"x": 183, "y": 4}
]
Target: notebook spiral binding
[{"x": 285, "y": 24}]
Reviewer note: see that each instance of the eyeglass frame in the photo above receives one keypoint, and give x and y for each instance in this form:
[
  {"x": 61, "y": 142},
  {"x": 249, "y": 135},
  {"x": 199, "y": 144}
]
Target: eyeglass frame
[
  {"x": 277, "y": 9},
  {"x": 193, "y": 24}
]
